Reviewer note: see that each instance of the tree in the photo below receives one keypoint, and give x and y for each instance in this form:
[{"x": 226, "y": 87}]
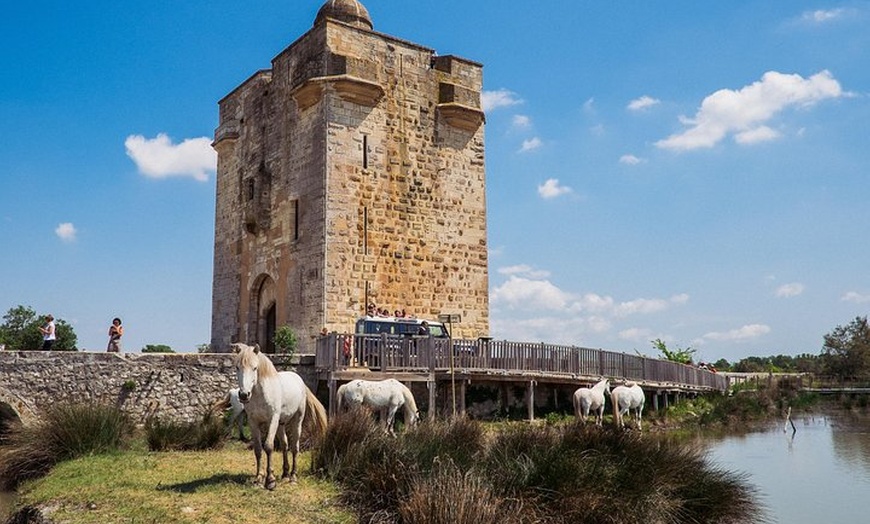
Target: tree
[
  {"x": 846, "y": 352},
  {"x": 285, "y": 340},
  {"x": 678, "y": 354},
  {"x": 157, "y": 348},
  {"x": 20, "y": 331}
]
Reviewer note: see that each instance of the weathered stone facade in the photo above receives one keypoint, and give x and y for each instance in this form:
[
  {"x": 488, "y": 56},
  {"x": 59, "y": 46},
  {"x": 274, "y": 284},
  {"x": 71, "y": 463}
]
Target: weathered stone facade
[
  {"x": 180, "y": 386},
  {"x": 351, "y": 172}
]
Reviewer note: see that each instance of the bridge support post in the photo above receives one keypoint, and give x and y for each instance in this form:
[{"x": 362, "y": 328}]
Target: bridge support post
[
  {"x": 655, "y": 399},
  {"x": 332, "y": 397},
  {"x": 531, "y": 399},
  {"x": 432, "y": 386},
  {"x": 462, "y": 386}
]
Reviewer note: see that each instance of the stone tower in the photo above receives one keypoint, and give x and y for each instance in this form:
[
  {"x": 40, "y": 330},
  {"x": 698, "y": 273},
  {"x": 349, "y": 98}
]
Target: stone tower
[{"x": 351, "y": 172}]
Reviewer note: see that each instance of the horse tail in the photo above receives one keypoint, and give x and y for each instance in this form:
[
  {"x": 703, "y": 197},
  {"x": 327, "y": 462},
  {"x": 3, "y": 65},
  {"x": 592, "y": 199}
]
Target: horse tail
[
  {"x": 614, "y": 399},
  {"x": 411, "y": 413},
  {"x": 221, "y": 405},
  {"x": 318, "y": 413}
]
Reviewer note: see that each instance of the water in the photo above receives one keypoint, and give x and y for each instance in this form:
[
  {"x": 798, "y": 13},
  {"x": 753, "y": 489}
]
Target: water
[{"x": 822, "y": 474}]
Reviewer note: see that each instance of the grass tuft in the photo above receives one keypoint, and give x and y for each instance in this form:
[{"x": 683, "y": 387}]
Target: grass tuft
[{"x": 65, "y": 431}]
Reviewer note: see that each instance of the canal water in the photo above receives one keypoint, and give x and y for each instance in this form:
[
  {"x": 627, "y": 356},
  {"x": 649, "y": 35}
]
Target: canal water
[{"x": 821, "y": 473}]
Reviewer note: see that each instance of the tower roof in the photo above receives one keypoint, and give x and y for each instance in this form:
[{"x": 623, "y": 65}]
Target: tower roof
[{"x": 348, "y": 11}]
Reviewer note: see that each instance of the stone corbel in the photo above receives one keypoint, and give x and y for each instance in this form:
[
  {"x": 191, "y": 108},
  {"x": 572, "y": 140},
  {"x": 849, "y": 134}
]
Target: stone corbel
[
  {"x": 349, "y": 88},
  {"x": 461, "y": 116}
]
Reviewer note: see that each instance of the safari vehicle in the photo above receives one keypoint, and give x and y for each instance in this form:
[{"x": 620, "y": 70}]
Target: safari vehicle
[
  {"x": 399, "y": 336},
  {"x": 399, "y": 326}
]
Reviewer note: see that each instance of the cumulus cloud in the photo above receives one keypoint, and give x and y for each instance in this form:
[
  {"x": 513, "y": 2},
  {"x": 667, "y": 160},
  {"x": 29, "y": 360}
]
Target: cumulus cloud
[
  {"x": 630, "y": 160},
  {"x": 748, "y": 332},
  {"x": 644, "y": 102},
  {"x": 552, "y": 189},
  {"x": 66, "y": 231},
  {"x": 530, "y": 145},
  {"x": 521, "y": 121},
  {"x": 490, "y": 100},
  {"x": 789, "y": 290},
  {"x": 746, "y": 111},
  {"x": 159, "y": 158},
  {"x": 526, "y": 293},
  {"x": 854, "y": 296}
]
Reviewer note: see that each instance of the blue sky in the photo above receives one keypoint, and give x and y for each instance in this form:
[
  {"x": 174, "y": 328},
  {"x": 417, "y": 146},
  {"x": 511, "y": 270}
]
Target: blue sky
[{"x": 690, "y": 171}]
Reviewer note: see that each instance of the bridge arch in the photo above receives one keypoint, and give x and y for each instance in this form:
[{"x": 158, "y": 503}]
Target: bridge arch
[{"x": 12, "y": 410}]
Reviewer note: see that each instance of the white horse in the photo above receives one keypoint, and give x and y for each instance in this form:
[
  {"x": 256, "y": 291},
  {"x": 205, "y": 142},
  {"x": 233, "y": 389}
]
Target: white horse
[
  {"x": 591, "y": 399},
  {"x": 624, "y": 399},
  {"x": 275, "y": 403},
  {"x": 231, "y": 401},
  {"x": 383, "y": 396}
]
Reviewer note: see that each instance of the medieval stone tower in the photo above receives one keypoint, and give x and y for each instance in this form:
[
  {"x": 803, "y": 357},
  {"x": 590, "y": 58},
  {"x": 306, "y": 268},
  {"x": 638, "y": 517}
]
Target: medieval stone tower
[{"x": 351, "y": 172}]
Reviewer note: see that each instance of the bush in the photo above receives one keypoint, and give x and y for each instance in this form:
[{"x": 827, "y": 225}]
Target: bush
[
  {"x": 209, "y": 433},
  {"x": 286, "y": 340},
  {"x": 64, "y": 432},
  {"x": 455, "y": 472}
]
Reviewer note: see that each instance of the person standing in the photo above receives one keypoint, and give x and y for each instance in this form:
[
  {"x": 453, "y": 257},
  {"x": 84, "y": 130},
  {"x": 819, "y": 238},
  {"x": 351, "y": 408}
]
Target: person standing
[
  {"x": 116, "y": 331},
  {"x": 48, "y": 333}
]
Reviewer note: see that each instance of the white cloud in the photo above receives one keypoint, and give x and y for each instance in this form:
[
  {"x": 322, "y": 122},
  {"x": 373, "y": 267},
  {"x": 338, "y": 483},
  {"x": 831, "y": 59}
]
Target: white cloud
[
  {"x": 790, "y": 290},
  {"x": 754, "y": 136},
  {"x": 642, "y": 103},
  {"x": 552, "y": 189},
  {"x": 745, "y": 111},
  {"x": 521, "y": 121},
  {"x": 490, "y": 100},
  {"x": 636, "y": 334},
  {"x": 524, "y": 293},
  {"x": 821, "y": 16},
  {"x": 523, "y": 269},
  {"x": 66, "y": 232},
  {"x": 160, "y": 158},
  {"x": 589, "y": 106},
  {"x": 854, "y": 296},
  {"x": 747, "y": 332},
  {"x": 630, "y": 160},
  {"x": 530, "y": 145}
]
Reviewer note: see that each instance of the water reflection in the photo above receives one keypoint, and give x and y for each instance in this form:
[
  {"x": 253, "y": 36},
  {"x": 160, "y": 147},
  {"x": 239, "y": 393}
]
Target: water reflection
[{"x": 815, "y": 475}]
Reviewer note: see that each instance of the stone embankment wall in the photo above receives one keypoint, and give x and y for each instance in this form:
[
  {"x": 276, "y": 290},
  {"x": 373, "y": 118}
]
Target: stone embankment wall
[{"x": 178, "y": 386}]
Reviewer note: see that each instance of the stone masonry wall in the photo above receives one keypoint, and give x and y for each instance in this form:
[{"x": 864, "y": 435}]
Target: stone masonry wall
[{"x": 173, "y": 386}]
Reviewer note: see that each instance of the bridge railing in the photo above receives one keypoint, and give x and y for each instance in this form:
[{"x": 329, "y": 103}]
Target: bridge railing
[{"x": 405, "y": 353}]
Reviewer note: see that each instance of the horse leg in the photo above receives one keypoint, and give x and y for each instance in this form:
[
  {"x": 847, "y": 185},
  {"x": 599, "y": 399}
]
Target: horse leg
[
  {"x": 391, "y": 418},
  {"x": 295, "y": 427},
  {"x": 256, "y": 436},
  {"x": 269, "y": 446},
  {"x": 282, "y": 438}
]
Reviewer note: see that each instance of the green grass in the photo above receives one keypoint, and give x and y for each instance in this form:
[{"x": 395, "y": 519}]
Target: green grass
[{"x": 180, "y": 487}]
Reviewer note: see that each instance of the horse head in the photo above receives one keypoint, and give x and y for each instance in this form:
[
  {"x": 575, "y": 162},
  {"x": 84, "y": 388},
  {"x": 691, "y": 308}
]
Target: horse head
[{"x": 247, "y": 363}]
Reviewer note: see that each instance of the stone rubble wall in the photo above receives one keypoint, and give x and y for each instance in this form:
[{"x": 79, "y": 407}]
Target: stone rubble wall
[{"x": 175, "y": 386}]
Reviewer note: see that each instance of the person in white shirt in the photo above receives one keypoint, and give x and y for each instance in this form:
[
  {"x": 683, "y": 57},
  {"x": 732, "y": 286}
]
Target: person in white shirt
[{"x": 48, "y": 333}]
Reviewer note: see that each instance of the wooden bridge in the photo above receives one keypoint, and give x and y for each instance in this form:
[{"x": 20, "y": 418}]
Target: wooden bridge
[{"x": 458, "y": 363}]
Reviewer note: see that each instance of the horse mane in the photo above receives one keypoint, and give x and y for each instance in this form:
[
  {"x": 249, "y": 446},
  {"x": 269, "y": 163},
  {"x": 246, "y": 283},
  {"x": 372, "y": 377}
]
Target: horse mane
[
  {"x": 411, "y": 413},
  {"x": 248, "y": 356}
]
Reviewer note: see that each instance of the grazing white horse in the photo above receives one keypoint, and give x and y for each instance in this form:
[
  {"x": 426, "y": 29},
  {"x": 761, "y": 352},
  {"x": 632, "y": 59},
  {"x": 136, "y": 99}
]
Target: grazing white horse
[
  {"x": 383, "y": 396},
  {"x": 624, "y": 399},
  {"x": 231, "y": 401},
  {"x": 591, "y": 399},
  {"x": 275, "y": 403}
]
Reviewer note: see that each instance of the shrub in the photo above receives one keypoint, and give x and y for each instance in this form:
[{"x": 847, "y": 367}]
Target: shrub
[
  {"x": 455, "y": 472},
  {"x": 286, "y": 340},
  {"x": 209, "y": 433},
  {"x": 65, "y": 431}
]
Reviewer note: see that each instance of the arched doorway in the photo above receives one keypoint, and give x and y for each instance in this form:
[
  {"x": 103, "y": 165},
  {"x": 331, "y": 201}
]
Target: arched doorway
[{"x": 265, "y": 308}]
